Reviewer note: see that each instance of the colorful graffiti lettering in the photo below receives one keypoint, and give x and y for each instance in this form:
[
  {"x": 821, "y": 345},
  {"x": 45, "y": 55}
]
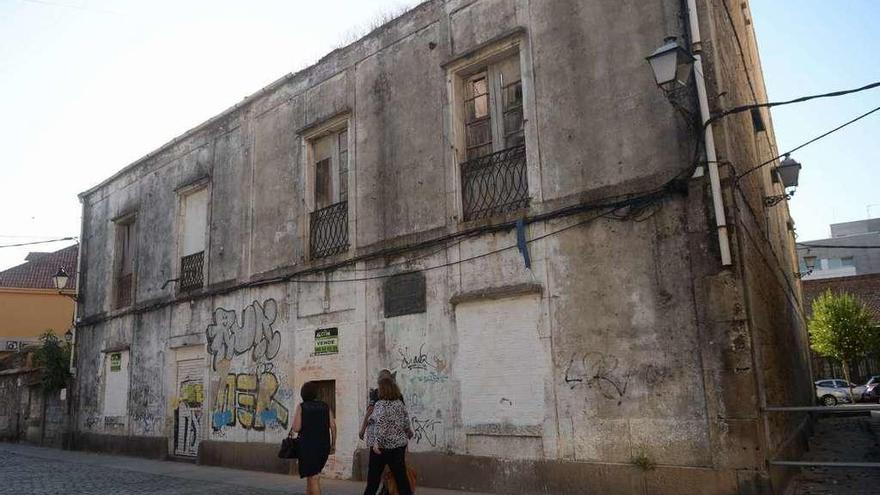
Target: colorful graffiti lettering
[
  {"x": 227, "y": 338},
  {"x": 187, "y": 435},
  {"x": 249, "y": 400}
]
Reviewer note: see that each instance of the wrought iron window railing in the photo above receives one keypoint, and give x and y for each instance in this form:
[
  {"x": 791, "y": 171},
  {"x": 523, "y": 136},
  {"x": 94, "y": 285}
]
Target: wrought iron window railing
[
  {"x": 329, "y": 230},
  {"x": 192, "y": 273},
  {"x": 494, "y": 184},
  {"x": 123, "y": 290}
]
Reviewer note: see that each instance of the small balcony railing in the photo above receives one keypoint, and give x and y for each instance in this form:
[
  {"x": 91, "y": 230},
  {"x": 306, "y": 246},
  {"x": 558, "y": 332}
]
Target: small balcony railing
[
  {"x": 192, "y": 271},
  {"x": 123, "y": 290},
  {"x": 329, "y": 230},
  {"x": 495, "y": 184}
]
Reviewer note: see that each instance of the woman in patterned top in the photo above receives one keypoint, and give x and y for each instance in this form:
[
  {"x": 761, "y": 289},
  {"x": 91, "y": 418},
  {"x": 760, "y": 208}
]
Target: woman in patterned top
[{"x": 391, "y": 432}]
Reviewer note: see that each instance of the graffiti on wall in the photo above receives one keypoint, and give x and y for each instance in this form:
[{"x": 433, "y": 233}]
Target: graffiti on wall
[
  {"x": 426, "y": 369},
  {"x": 425, "y": 429},
  {"x": 250, "y": 400},
  {"x": 227, "y": 337},
  {"x": 189, "y": 418},
  {"x": 607, "y": 375}
]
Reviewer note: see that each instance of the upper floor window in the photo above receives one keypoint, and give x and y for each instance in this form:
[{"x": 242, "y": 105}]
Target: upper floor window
[
  {"x": 493, "y": 108},
  {"x": 125, "y": 262},
  {"x": 194, "y": 221},
  {"x": 330, "y": 158},
  {"x": 492, "y": 140},
  {"x": 328, "y": 167}
]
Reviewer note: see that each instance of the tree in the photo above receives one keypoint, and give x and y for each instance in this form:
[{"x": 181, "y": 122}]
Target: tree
[
  {"x": 54, "y": 357},
  {"x": 842, "y": 328}
]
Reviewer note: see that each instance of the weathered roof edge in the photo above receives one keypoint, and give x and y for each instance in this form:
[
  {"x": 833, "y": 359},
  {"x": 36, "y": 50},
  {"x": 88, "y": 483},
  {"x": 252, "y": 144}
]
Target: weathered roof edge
[{"x": 247, "y": 100}]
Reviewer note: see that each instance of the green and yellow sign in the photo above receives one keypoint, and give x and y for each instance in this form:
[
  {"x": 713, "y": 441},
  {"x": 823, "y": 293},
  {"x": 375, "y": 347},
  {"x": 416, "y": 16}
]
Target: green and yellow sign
[
  {"x": 326, "y": 341},
  {"x": 116, "y": 361}
]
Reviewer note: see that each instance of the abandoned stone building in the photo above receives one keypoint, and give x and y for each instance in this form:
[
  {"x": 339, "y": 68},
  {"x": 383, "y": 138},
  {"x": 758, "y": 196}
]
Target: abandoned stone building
[{"x": 494, "y": 200}]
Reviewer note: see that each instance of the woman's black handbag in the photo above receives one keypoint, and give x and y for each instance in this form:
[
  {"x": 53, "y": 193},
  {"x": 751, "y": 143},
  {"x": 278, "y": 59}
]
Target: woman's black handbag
[{"x": 288, "y": 448}]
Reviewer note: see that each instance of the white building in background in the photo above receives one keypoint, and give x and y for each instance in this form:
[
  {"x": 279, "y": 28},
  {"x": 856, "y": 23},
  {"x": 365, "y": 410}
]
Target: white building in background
[{"x": 842, "y": 254}]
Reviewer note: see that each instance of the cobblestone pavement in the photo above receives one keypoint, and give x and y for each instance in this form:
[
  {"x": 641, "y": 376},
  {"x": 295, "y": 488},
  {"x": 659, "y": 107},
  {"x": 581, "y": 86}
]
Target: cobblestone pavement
[
  {"x": 29, "y": 470},
  {"x": 841, "y": 439},
  {"x": 28, "y": 475}
]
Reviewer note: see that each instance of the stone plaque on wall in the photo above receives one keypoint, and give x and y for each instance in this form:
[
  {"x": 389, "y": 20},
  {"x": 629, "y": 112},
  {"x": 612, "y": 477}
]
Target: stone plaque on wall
[{"x": 405, "y": 294}]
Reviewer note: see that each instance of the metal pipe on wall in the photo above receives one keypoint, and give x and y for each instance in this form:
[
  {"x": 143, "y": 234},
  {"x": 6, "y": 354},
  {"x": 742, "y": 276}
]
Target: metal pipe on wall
[{"x": 709, "y": 136}]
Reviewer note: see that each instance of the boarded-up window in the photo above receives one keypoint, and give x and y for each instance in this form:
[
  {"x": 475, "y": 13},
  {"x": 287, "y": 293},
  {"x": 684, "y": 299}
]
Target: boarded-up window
[
  {"x": 501, "y": 362},
  {"x": 116, "y": 383},
  {"x": 404, "y": 294}
]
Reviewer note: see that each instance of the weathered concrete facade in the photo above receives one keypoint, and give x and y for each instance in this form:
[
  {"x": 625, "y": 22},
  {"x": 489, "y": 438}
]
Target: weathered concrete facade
[{"x": 625, "y": 336}]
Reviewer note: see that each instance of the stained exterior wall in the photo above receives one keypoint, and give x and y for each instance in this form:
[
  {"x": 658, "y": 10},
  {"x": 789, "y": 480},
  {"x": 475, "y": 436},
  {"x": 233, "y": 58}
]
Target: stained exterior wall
[{"x": 625, "y": 337}]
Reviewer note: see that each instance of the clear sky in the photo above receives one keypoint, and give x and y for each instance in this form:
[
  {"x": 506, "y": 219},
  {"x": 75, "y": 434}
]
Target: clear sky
[
  {"x": 88, "y": 86},
  {"x": 817, "y": 46}
]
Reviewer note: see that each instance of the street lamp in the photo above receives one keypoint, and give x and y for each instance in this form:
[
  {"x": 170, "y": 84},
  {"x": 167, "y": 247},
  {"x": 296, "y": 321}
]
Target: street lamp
[
  {"x": 59, "y": 280},
  {"x": 671, "y": 64},
  {"x": 787, "y": 173},
  {"x": 810, "y": 263}
]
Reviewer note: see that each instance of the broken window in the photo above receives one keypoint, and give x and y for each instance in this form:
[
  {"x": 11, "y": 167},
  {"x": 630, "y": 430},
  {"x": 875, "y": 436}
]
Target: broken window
[
  {"x": 330, "y": 159},
  {"x": 493, "y": 171},
  {"x": 493, "y": 108},
  {"x": 329, "y": 218}
]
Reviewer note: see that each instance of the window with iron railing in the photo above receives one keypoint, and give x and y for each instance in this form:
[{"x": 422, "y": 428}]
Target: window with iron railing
[
  {"x": 328, "y": 152},
  {"x": 125, "y": 249},
  {"x": 493, "y": 175},
  {"x": 192, "y": 269},
  {"x": 494, "y": 184},
  {"x": 329, "y": 230},
  {"x": 193, "y": 237},
  {"x": 124, "y": 287}
]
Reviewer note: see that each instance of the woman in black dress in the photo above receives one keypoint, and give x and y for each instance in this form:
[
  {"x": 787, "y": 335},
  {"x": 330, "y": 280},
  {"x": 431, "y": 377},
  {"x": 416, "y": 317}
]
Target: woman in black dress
[{"x": 314, "y": 422}]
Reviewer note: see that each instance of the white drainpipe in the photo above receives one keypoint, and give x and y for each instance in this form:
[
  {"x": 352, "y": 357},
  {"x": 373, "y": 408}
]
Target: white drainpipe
[{"x": 711, "y": 157}]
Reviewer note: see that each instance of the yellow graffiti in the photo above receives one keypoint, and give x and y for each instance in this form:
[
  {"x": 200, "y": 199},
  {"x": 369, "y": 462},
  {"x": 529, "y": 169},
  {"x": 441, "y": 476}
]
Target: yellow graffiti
[
  {"x": 249, "y": 400},
  {"x": 192, "y": 393}
]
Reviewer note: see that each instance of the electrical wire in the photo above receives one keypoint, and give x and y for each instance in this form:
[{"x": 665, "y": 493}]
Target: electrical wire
[
  {"x": 801, "y": 245},
  {"x": 811, "y": 141},
  {"x": 451, "y": 263},
  {"x": 743, "y": 108},
  {"x": 38, "y": 242}
]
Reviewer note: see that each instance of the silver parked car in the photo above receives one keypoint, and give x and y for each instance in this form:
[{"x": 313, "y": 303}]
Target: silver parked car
[{"x": 830, "y": 392}]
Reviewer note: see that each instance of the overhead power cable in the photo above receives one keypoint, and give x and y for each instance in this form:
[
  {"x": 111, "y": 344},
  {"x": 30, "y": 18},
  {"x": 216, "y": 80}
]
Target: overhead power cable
[
  {"x": 811, "y": 141},
  {"x": 801, "y": 245},
  {"x": 744, "y": 108},
  {"x": 38, "y": 242}
]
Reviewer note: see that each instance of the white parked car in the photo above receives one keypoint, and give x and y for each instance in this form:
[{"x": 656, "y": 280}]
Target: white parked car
[{"x": 831, "y": 392}]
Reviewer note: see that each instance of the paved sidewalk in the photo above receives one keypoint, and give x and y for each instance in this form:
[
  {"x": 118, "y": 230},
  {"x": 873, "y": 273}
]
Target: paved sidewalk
[
  {"x": 30, "y": 470},
  {"x": 841, "y": 439}
]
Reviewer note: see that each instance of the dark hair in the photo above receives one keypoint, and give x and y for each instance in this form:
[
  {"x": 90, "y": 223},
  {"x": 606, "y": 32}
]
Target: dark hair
[
  {"x": 388, "y": 390},
  {"x": 309, "y": 391}
]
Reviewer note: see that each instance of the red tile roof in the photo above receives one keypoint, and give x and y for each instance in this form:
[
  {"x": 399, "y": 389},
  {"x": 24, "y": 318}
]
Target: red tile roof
[
  {"x": 865, "y": 287},
  {"x": 37, "y": 273}
]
